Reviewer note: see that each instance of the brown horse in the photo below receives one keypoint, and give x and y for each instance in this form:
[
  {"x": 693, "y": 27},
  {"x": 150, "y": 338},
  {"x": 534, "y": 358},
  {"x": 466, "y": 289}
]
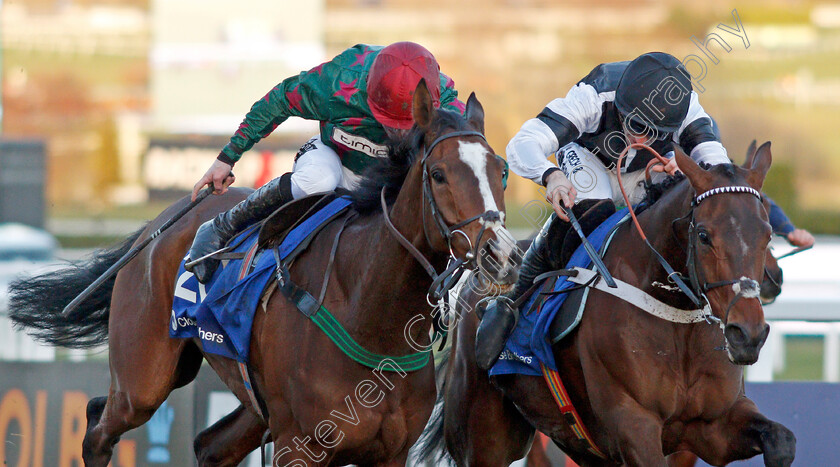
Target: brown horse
[
  {"x": 445, "y": 197},
  {"x": 644, "y": 387}
]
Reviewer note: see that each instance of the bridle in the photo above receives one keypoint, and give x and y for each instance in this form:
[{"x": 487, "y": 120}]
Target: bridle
[
  {"x": 443, "y": 282},
  {"x": 744, "y": 287}
]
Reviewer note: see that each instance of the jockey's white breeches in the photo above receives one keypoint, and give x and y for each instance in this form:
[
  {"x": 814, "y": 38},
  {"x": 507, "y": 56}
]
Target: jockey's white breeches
[
  {"x": 318, "y": 169},
  {"x": 593, "y": 180}
]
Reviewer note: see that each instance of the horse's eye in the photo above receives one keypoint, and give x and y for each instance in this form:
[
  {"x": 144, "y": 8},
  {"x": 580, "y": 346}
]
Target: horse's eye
[
  {"x": 704, "y": 237},
  {"x": 438, "y": 176}
]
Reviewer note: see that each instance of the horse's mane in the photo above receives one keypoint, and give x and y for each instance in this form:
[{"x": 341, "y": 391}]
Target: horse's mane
[
  {"x": 390, "y": 172},
  {"x": 655, "y": 191}
]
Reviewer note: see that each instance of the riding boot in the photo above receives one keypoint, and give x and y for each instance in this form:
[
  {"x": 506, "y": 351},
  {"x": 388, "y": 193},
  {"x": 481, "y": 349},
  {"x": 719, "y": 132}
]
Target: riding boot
[
  {"x": 501, "y": 316},
  {"x": 215, "y": 233}
]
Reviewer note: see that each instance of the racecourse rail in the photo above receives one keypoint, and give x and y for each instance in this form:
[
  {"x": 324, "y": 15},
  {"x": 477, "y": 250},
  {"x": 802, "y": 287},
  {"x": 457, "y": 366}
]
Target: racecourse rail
[{"x": 808, "y": 306}]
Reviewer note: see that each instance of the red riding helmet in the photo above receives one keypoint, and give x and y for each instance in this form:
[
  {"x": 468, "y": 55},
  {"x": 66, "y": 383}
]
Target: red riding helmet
[{"x": 392, "y": 79}]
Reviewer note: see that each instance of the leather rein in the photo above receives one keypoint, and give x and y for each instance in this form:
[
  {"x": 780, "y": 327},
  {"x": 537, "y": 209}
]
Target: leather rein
[
  {"x": 444, "y": 281},
  {"x": 743, "y": 287}
]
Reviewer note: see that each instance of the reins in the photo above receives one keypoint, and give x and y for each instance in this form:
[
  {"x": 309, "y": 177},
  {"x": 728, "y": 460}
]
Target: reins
[
  {"x": 673, "y": 276},
  {"x": 743, "y": 287}
]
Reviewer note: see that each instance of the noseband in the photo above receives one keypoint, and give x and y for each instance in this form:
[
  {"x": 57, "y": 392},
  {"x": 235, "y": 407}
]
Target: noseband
[
  {"x": 743, "y": 287},
  {"x": 443, "y": 282}
]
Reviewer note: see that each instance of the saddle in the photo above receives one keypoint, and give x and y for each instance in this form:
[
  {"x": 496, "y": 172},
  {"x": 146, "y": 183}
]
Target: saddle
[
  {"x": 277, "y": 226},
  {"x": 590, "y": 214},
  {"x": 275, "y": 229}
]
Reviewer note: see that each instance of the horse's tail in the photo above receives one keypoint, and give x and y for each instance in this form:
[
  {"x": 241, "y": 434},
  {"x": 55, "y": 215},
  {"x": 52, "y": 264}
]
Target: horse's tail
[
  {"x": 431, "y": 447},
  {"x": 36, "y": 303}
]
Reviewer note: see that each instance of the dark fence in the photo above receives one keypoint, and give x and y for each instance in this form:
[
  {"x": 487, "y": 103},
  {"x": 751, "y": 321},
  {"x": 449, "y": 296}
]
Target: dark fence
[{"x": 43, "y": 422}]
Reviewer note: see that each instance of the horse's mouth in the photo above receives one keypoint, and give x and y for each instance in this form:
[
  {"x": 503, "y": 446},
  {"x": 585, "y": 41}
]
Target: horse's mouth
[
  {"x": 505, "y": 288},
  {"x": 490, "y": 285}
]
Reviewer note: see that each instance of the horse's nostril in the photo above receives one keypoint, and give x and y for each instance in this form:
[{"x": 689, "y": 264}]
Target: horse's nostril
[
  {"x": 736, "y": 334},
  {"x": 764, "y": 333}
]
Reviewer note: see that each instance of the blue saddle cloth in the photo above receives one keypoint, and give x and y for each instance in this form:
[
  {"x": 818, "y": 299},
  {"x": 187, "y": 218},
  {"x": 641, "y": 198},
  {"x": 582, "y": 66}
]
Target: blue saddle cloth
[
  {"x": 529, "y": 344},
  {"x": 221, "y": 312}
]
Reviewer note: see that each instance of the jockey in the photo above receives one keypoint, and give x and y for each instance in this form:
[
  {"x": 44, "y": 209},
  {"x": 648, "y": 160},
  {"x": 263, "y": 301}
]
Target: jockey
[
  {"x": 362, "y": 98},
  {"x": 648, "y": 100}
]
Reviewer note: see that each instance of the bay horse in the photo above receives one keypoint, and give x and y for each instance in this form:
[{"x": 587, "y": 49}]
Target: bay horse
[
  {"x": 437, "y": 197},
  {"x": 644, "y": 387}
]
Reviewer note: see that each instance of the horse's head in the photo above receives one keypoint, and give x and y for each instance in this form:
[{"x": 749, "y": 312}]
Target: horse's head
[
  {"x": 728, "y": 236},
  {"x": 771, "y": 283},
  {"x": 464, "y": 206}
]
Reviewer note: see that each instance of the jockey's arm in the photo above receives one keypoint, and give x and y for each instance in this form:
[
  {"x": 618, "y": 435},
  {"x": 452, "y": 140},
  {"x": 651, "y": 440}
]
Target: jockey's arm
[
  {"x": 698, "y": 136},
  {"x": 783, "y": 227},
  {"x": 449, "y": 95},
  {"x": 561, "y": 122}
]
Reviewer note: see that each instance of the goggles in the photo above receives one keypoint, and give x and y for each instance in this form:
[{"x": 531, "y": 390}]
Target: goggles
[{"x": 638, "y": 128}]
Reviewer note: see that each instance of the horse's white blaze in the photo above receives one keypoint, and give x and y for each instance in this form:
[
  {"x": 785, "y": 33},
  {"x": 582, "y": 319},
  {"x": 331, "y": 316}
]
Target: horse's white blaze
[
  {"x": 745, "y": 249},
  {"x": 475, "y": 156}
]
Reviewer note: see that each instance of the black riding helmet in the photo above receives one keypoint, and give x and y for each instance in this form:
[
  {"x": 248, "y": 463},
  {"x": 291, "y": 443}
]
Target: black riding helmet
[{"x": 657, "y": 80}]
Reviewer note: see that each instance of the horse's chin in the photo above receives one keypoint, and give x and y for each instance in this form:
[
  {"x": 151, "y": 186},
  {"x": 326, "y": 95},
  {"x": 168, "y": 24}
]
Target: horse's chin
[{"x": 742, "y": 358}]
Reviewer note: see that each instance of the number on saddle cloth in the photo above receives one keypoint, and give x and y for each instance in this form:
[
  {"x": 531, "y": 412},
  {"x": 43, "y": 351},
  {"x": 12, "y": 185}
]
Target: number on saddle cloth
[{"x": 220, "y": 313}]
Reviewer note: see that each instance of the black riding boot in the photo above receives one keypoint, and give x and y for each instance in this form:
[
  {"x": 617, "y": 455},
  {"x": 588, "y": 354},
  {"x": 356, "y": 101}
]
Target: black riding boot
[
  {"x": 500, "y": 317},
  {"x": 214, "y": 234}
]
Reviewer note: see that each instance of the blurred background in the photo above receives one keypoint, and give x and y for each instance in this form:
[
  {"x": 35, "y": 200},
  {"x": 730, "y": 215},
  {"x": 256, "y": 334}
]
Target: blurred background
[
  {"x": 133, "y": 99},
  {"x": 111, "y": 109}
]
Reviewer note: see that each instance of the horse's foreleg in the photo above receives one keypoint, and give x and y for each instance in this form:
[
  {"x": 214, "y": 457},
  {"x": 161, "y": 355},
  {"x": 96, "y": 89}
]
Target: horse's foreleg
[
  {"x": 229, "y": 440},
  {"x": 637, "y": 435},
  {"x": 481, "y": 426},
  {"x": 741, "y": 434}
]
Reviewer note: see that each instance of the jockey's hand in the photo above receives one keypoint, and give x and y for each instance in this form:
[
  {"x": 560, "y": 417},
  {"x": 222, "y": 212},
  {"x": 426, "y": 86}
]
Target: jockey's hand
[
  {"x": 558, "y": 189},
  {"x": 800, "y": 238},
  {"x": 670, "y": 168},
  {"x": 219, "y": 175}
]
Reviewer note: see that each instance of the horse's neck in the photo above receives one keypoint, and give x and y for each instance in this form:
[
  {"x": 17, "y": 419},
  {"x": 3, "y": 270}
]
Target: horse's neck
[
  {"x": 657, "y": 223},
  {"x": 390, "y": 290}
]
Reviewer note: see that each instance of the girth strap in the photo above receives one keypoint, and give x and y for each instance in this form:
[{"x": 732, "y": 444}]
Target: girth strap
[
  {"x": 253, "y": 394},
  {"x": 570, "y": 414}
]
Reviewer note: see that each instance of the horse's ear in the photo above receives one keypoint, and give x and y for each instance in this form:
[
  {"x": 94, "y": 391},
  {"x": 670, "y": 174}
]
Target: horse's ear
[
  {"x": 475, "y": 113},
  {"x": 422, "y": 107},
  {"x": 760, "y": 165},
  {"x": 750, "y": 154},
  {"x": 699, "y": 178}
]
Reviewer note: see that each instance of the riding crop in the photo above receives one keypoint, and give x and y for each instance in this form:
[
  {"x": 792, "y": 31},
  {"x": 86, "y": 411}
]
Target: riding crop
[{"x": 132, "y": 253}]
